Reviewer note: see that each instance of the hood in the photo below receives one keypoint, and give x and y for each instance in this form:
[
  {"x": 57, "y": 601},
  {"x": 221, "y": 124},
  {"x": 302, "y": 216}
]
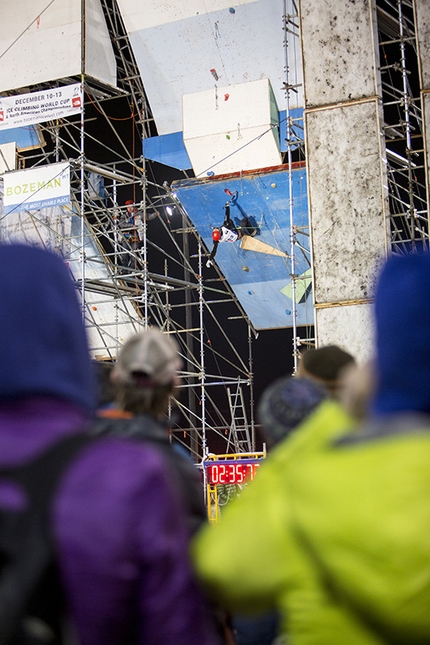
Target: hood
[
  {"x": 402, "y": 317},
  {"x": 43, "y": 344}
]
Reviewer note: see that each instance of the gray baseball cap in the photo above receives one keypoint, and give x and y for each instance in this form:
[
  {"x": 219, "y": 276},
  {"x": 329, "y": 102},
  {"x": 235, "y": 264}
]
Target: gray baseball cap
[{"x": 148, "y": 359}]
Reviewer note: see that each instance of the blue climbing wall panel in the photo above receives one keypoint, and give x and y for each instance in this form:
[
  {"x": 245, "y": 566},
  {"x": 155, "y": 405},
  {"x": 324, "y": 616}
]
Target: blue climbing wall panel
[{"x": 260, "y": 280}]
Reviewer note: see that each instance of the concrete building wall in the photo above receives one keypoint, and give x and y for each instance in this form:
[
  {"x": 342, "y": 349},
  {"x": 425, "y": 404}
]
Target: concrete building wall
[
  {"x": 347, "y": 181},
  {"x": 422, "y": 26}
]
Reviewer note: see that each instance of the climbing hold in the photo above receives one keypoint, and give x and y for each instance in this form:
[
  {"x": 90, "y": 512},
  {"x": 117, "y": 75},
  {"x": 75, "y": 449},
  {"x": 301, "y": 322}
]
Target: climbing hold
[{"x": 232, "y": 10}]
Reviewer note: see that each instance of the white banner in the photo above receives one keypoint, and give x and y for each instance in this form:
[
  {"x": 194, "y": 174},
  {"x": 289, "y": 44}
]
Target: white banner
[
  {"x": 36, "y": 188},
  {"x": 37, "y": 107}
]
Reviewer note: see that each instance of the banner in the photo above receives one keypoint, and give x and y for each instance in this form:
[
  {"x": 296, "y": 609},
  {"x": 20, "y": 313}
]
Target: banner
[
  {"x": 37, "y": 107},
  {"x": 36, "y": 188}
]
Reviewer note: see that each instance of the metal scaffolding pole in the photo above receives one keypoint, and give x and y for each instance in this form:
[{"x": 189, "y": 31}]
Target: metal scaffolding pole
[
  {"x": 403, "y": 127},
  {"x": 294, "y": 142},
  {"x": 128, "y": 284}
]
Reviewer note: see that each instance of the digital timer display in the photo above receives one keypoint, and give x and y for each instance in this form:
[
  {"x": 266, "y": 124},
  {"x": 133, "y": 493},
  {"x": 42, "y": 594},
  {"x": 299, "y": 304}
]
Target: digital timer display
[{"x": 231, "y": 472}]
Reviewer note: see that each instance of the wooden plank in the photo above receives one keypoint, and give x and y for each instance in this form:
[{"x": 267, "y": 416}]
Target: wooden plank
[{"x": 249, "y": 243}]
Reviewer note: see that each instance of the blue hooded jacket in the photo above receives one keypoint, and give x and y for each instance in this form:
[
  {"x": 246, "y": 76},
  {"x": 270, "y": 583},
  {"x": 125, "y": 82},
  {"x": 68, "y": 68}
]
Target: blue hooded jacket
[
  {"x": 42, "y": 342},
  {"x": 117, "y": 525},
  {"x": 402, "y": 317}
]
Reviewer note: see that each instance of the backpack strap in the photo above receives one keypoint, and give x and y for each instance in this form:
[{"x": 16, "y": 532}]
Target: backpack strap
[
  {"x": 40, "y": 477},
  {"x": 28, "y": 576}
]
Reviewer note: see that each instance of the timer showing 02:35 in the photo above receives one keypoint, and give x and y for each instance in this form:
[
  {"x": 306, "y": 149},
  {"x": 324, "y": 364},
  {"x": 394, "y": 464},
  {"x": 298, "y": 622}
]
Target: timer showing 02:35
[{"x": 231, "y": 473}]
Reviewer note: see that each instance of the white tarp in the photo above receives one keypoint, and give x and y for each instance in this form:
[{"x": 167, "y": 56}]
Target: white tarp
[
  {"x": 37, "y": 107},
  {"x": 109, "y": 319}
]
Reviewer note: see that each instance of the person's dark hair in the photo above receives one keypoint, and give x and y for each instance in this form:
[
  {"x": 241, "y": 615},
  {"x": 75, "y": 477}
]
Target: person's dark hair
[
  {"x": 143, "y": 400},
  {"x": 325, "y": 365},
  {"x": 326, "y": 362}
]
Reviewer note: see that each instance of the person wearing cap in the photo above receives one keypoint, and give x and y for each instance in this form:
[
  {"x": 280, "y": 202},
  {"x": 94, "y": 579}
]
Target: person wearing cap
[
  {"x": 118, "y": 527},
  {"x": 144, "y": 380},
  {"x": 283, "y": 406},
  {"x": 228, "y": 231}
]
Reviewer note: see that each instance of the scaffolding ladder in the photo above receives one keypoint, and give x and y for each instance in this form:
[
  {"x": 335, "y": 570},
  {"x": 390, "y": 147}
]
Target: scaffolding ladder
[{"x": 239, "y": 435}]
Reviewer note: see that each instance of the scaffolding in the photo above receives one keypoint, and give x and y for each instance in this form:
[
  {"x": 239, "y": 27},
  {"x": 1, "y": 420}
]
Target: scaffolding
[
  {"x": 295, "y": 152},
  {"x": 146, "y": 251},
  {"x": 151, "y": 263},
  {"x": 403, "y": 129}
]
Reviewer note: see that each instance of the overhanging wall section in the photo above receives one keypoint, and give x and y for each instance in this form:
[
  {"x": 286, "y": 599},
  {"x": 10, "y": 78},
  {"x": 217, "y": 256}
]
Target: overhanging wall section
[{"x": 346, "y": 168}]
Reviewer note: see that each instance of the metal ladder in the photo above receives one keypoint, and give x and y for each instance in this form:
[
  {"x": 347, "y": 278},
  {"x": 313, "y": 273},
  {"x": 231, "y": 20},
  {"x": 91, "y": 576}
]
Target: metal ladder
[{"x": 239, "y": 436}]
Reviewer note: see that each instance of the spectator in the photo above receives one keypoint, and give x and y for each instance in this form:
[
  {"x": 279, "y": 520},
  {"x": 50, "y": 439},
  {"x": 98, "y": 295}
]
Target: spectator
[
  {"x": 365, "y": 518},
  {"x": 325, "y": 365},
  {"x": 117, "y": 526},
  {"x": 130, "y": 234},
  {"x": 340, "y": 519},
  {"x": 356, "y": 389},
  {"x": 285, "y": 404},
  {"x": 268, "y": 569},
  {"x": 144, "y": 380}
]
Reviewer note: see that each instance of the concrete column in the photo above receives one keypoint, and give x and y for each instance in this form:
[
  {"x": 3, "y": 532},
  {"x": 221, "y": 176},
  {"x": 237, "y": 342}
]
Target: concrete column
[
  {"x": 347, "y": 182},
  {"x": 422, "y": 28}
]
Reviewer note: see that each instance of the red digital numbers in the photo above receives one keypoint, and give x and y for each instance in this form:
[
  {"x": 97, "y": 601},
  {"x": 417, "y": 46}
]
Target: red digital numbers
[{"x": 231, "y": 473}]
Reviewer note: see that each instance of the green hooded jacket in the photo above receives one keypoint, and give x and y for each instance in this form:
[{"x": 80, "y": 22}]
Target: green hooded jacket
[{"x": 255, "y": 559}]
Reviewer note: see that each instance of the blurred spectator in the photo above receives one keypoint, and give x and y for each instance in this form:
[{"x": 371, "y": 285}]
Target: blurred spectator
[
  {"x": 267, "y": 569},
  {"x": 336, "y": 523},
  {"x": 325, "y": 366},
  {"x": 144, "y": 380},
  {"x": 282, "y": 408},
  {"x": 356, "y": 389},
  {"x": 362, "y": 505},
  {"x": 116, "y": 522},
  {"x": 285, "y": 404}
]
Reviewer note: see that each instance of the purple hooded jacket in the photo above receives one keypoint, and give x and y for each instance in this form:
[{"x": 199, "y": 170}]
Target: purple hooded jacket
[{"x": 118, "y": 526}]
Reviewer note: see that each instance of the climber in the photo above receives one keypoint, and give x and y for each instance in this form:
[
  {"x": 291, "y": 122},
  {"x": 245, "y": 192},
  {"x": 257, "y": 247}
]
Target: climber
[{"x": 228, "y": 231}]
